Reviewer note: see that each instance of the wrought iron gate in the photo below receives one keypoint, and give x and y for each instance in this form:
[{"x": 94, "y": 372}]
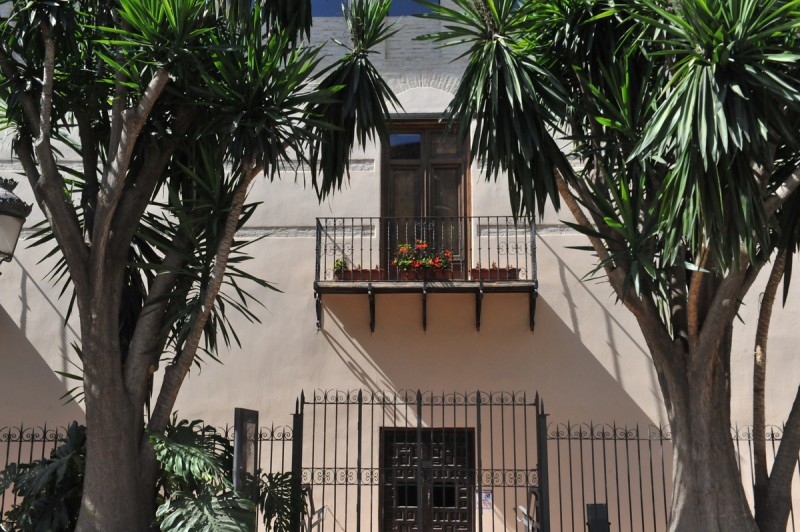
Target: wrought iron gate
[{"x": 419, "y": 461}]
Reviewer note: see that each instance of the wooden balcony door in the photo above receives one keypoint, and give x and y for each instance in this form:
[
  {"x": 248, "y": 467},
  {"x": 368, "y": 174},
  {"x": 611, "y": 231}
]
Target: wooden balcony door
[{"x": 425, "y": 188}]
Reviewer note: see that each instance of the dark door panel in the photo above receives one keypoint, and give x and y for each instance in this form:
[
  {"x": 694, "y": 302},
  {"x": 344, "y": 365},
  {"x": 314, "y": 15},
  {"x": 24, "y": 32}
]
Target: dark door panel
[{"x": 428, "y": 479}]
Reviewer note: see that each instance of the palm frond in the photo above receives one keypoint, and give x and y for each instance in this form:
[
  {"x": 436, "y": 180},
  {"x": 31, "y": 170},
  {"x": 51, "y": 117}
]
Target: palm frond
[
  {"x": 509, "y": 99},
  {"x": 360, "y": 110}
]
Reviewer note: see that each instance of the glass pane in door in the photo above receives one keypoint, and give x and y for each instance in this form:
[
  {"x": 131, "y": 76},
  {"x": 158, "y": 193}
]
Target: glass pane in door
[
  {"x": 405, "y": 207},
  {"x": 445, "y": 206},
  {"x": 405, "y": 146},
  {"x": 444, "y": 145}
]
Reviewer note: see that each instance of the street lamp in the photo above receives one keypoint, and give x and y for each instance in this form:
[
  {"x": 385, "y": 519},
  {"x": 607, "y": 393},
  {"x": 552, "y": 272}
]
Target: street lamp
[{"x": 13, "y": 212}]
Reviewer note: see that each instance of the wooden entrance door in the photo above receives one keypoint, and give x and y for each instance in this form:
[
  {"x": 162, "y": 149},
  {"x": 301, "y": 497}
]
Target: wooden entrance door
[{"x": 427, "y": 479}]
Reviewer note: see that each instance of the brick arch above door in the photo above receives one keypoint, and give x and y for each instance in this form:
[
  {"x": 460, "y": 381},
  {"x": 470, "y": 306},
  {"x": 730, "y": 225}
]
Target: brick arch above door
[
  {"x": 424, "y": 92},
  {"x": 434, "y": 80}
]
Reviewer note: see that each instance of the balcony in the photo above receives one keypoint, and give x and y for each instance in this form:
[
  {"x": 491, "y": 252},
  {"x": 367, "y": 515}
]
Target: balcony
[{"x": 470, "y": 254}]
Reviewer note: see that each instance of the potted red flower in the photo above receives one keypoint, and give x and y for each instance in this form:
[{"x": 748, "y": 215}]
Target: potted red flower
[{"x": 419, "y": 261}]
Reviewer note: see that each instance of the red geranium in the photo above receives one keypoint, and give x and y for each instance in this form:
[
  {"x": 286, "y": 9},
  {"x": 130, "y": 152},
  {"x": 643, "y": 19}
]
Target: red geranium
[{"x": 421, "y": 257}]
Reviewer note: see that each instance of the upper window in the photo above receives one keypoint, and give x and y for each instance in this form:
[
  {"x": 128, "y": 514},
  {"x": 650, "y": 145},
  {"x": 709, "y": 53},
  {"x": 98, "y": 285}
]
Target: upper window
[
  {"x": 333, "y": 8},
  {"x": 424, "y": 173},
  {"x": 424, "y": 187}
]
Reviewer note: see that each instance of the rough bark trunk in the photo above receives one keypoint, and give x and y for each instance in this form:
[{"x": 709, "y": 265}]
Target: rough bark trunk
[
  {"x": 761, "y": 484},
  {"x": 112, "y": 497},
  {"x": 148, "y": 474},
  {"x": 708, "y": 494}
]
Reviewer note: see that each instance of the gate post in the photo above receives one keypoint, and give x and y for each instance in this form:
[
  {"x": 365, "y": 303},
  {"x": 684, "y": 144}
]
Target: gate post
[
  {"x": 358, "y": 464},
  {"x": 479, "y": 467},
  {"x": 541, "y": 451},
  {"x": 297, "y": 459},
  {"x": 246, "y": 452},
  {"x": 418, "y": 518}
]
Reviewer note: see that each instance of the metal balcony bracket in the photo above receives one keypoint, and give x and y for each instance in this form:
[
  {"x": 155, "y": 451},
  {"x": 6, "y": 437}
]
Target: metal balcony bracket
[
  {"x": 534, "y": 295},
  {"x": 424, "y": 306},
  {"x": 478, "y": 303},
  {"x": 371, "y": 296},
  {"x": 318, "y": 305}
]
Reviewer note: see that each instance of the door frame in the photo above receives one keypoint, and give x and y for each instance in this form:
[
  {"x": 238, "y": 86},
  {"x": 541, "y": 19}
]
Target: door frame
[{"x": 423, "y": 439}]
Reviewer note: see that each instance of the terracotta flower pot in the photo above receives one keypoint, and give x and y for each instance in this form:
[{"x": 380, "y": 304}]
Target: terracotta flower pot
[
  {"x": 407, "y": 275},
  {"x": 494, "y": 274},
  {"x": 361, "y": 274}
]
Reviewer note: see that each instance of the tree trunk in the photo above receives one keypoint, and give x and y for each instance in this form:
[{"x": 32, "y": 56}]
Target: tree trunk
[
  {"x": 708, "y": 494},
  {"x": 112, "y": 497},
  {"x": 148, "y": 475},
  {"x": 761, "y": 485}
]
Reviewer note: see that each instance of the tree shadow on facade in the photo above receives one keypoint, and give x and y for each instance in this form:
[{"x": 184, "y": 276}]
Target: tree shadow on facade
[
  {"x": 29, "y": 390},
  {"x": 452, "y": 355}
]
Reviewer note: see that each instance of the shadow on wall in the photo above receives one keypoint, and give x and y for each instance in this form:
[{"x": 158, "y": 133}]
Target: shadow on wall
[
  {"x": 29, "y": 390},
  {"x": 452, "y": 355},
  {"x": 574, "y": 286}
]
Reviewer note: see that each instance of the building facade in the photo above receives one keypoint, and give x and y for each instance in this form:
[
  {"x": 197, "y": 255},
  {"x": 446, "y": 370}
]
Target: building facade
[{"x": 517, "y": 315}]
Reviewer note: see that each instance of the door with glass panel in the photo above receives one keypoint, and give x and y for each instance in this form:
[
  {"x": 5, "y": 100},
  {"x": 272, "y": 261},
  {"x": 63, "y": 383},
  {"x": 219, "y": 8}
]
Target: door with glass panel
[{"x": 425, "y": 195}]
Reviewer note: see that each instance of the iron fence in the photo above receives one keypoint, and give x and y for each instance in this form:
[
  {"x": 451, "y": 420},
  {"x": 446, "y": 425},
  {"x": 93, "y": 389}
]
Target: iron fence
[
  {"x": 413, "y": 460},
  {"x": 478, "y": 248},
  {"x": 626, "y": 468},
  {"x": 25, "y": 445}
]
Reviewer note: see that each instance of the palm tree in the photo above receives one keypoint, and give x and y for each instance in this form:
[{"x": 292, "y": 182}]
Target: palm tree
[
  {"x": 682, "y": 171},
  {"x": 145, "y": 228}
]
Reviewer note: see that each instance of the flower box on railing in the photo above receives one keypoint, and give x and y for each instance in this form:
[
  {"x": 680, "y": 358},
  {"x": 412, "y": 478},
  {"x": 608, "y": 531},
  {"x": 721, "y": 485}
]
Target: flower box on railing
[
  {"x": 495, "y": 273},
  {"x": 453, "y": 273},
  {"x": 360, "y": 274}
]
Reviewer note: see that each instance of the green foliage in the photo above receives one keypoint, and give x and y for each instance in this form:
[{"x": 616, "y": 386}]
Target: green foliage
[
  {"x": 271, "y": 106},
  {"x": 195, "y": 482},
  {"x": 206, "y": 512},
  {"x": 667, "y": 108},
  {"x": 363, "y": 98},
  {"x": 290, "y": 16},
  {"x": 733, "y": 96},
  {"x": 277, "y": 501},
  {"x": 172, "y": 107},
  {"x": 189, "y": 225},
  {"x": 49, "y": 489},
  {"x": 507, "y": 97},
  {"x": 197, "y": 465},
  {"x": 193, "y": 457}
]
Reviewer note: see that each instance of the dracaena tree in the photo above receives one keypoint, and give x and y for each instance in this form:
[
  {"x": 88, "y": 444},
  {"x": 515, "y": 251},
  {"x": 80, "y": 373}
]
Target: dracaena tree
[
  {"x": 669, "y": 128},
  {"x": 173, "y": 108}
]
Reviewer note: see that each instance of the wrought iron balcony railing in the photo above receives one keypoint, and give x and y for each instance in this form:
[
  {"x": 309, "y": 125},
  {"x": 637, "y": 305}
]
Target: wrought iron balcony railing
[{"x": 491, "y": 249}]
